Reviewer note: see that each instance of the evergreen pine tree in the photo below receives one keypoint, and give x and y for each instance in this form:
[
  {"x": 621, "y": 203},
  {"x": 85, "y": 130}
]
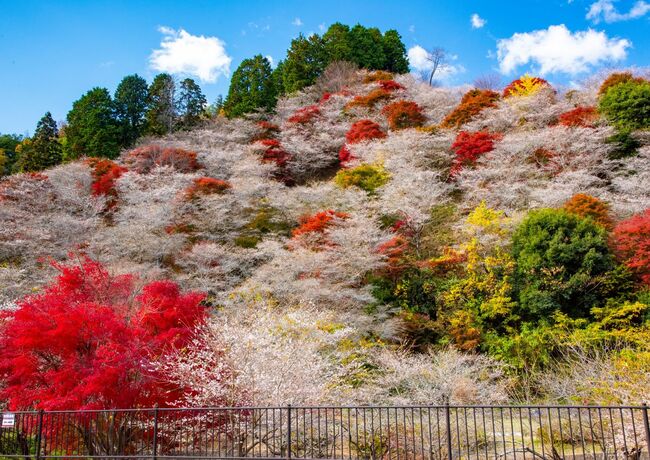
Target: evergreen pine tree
[
  {"x": 251, "y": 87},
  {"x": 161, "y": 113},
  {"x": 131, "y": 107},
  {"x": 191, "y": 103}
]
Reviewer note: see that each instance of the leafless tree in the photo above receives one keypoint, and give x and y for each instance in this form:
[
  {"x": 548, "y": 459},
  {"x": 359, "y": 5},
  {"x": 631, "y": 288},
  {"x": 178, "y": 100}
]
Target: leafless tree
[
  {"x": 488, "y": 81},
  {"x": 438, "y": 58}
]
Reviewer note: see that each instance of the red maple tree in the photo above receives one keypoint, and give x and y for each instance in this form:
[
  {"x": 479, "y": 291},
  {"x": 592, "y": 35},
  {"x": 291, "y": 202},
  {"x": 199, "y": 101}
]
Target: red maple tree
[
  {"x": 632, "y": 244},
  {"x": 469, "y": 146}
]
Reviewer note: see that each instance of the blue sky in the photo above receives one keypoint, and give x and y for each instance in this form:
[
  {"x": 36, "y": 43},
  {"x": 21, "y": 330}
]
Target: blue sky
[{"x": 52, "y": 52}]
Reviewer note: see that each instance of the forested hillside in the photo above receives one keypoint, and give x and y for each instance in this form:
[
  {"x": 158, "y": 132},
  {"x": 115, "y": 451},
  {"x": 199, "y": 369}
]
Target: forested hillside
[{"x": 371, "y": 239}]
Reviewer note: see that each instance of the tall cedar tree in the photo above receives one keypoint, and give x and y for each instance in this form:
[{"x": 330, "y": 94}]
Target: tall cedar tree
[
  {"x": 395, "y": 52},
  {"x": 131, "y": 107},
  {"x": 368, "y": 47},
  {"x": 252, "y": 86},
  {"x": 191, "y": 103},
  {"x": 306, "y": 60},
  {"x": 161, "y": 113},
  {"x": 93, "y": 129},
  {"x": 337, "y": 43},
  {"x": 44, "y": 149}
]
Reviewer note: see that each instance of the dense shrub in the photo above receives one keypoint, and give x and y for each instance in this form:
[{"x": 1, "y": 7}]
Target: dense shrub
[
  {"x": 472, "y": 103},
  {"x": 627, "y": 104},
  {"x": 378, "y": 75},
  {"x": 105, "y": 173},
  {"x": 88, "y": 341},
  {"x": 363, "y": 130},
  {"x": 584, "y": 117},
  {"x": 588, "y": 206},
  {"x": 317, "y": 223},
  {"x": 525, "y": 86},
  {"x": 469, "y": 146},
  {"x": 371, "y": 99},
  {"x": 562, "y": 264},
  {"x": 305, "y": 114},
  {"x": 616, "y": 78},
  {"x": 390, "y": 85},
  {"x": 206, "y": 186},
  {"x": 632, "y": 244},
  {"x": 143, "y": 159},
  {"x": 623, "y": 143},
  {"x": 404, "y": 114},
  {"x": 366, "y": 176}
]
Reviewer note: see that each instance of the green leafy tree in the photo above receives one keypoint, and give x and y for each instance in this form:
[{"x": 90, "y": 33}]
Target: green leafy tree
[
  {"x": 562, "y": 264},
  {"x": 191, "y": 103},
  {"x": 627, "y": 104},
  {"x": 44, "y": 150},
  {"x": 367, "y": 47},
  {"x": 395, "y": 52},
  {"x": 306, "y": 59},
  {"x": 93, "y": 129},
  {"x": 130, "y": 107},
  {"x": 251, "y": 87},
  {"x": 161, "y": 113},
  {"x": 337, "y": 43},
  {"x": 8, "y": 144}
]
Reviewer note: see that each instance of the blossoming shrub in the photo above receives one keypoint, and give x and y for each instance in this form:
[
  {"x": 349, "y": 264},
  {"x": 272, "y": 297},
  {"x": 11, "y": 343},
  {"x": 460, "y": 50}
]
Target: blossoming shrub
[
  {"x": 366, "y": 176},
  {"x": 583, "y": 117},
  {"x": 525, "y": 86},
  {"x": 404, "y": 114},
  {"x": 305, "y": 115},
  {"x": 143, "y": 159},
  {"x": 371, "y": 99},
  {"x": 363, "y": 130},
  {"x": 472, "y": 103},
  {"x": 632, "y": 244},
  {"x": 206, "y": 186},
  {"x": 585, "y": 205},
  {"x": 627, "y": 104},
  {"x": 469, "y": 146}
]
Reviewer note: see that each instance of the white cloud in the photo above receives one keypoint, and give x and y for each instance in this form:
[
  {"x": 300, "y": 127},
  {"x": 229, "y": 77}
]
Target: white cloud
[
  {"x": 297, "y": 22},
  {"x": 412, "y": 28},
  {"x": 477, "y": 21},
  {"x": 321, "y": 27},
  {"x": 183, "y": 53},
  {"x": 605, "y": 10},
  {"x": 557, "y": 49},
  {"x": 270, "y": 59},
  {"x": 418, "y": 59}
]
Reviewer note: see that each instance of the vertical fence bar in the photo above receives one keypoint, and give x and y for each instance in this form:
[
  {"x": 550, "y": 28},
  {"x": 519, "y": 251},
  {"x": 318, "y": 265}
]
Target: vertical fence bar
[
  {"x": 39, "y": 434},
  {"x": 646, "y": 425},
  {"x": 155, "y": 432},
  {"x": 448, "y": 424},
  {"x": 289, "y": 431}
]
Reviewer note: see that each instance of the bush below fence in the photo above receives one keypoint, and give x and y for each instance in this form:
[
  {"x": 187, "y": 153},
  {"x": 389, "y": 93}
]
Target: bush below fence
[{"x": 368, "y": 432}]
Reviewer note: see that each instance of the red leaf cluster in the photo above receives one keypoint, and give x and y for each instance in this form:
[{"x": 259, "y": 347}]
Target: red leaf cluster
[
  {"x": 305, "y": 114},
  {"x": 469, "y": 146},
  {"x": 88, "y": 340},
  {"x": 403, "y": 114},
  {"x": 206, "y": 186},
  {"x": 317, "y": 223},
  {"x": 275, "y": 153},
  {"x": 390, "y": 85},
  {"x": 632, "y": 244},
  {"x": 585, "y": 205},
  {"x": 144, "y": 159},
  {"x": 268, "y": 130},
  {"x": 105, "y": 173},
  {"x": 345, "y": 155},
  {"x": 363, "y": 130},
  {"x": 472, "y": 103},
  {"x": 583, "y": 117},
  {"x": 394, "y": 250}
]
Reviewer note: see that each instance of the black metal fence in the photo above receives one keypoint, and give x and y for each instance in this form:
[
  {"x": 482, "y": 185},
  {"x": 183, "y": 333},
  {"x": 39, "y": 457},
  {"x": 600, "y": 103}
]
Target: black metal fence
[{"x": 368, "y": 432}]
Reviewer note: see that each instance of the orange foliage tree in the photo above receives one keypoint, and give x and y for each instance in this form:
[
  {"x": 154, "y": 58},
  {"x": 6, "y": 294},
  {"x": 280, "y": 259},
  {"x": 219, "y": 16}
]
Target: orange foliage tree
[
  {"x": 585, "y": 205},
  {"x": 472, "y": 103},
  {"x": 404, "y": 114}
]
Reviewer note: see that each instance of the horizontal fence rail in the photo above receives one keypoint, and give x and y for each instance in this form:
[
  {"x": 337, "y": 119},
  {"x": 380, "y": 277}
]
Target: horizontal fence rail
[{"x": 367, "y": 432}]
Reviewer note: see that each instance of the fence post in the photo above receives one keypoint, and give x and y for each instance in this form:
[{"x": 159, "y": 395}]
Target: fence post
[
  {"x": 646, "y": 425},
  {"x": 289, "y": 431},
  {"x": 155, "y": 432},
  {"x": 39, "y": 435},
  {"x": 448, "y": 424}
]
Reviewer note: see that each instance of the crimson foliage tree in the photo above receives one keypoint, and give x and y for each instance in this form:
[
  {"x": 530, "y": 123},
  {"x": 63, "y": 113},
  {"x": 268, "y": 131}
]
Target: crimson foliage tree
[
  {"x": 632, "y": 244},
  {"x": 89, "y": 340}
]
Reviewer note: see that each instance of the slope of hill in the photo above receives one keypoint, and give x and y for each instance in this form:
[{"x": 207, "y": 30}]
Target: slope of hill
[{"x": 374, "y": 243}]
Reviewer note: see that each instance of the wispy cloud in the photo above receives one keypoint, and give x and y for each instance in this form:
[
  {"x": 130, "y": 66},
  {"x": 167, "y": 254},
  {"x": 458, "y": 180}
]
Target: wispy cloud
[
  {"x": 183, "y": 53},
  {"x": 604, "y": 10},
  {"x": 297, "y": 22},
  {"x": 477, "y": 21}
]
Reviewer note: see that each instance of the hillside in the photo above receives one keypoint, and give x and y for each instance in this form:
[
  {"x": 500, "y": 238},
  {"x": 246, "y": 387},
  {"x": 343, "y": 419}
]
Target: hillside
[{"x": 371, "y": 242}]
